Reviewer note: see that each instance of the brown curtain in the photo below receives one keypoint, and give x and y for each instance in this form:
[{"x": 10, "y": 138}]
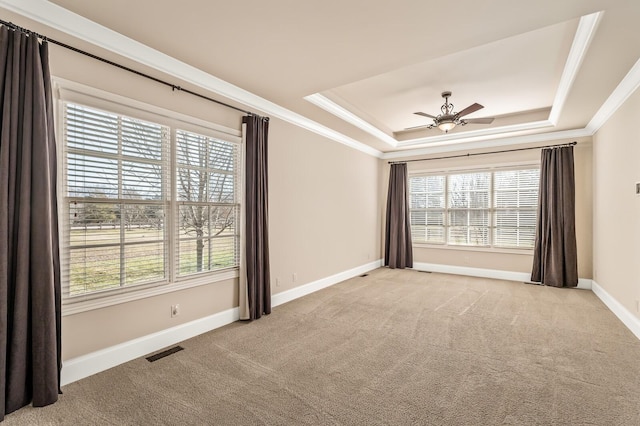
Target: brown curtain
[
  {"x": 555, "y": 259},
  {"x": 255, "y": 291},
  {"x": 398, "y": 252},
  {"x": 29, "y": 259}
]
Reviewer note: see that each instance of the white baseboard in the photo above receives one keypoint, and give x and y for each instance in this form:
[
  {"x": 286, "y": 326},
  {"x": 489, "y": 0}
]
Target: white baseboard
[
  {"x": 583, "y": 283},
  {"x": 95, "y": 362},
  {"x": 303, "y": 290},
  {"x": 631, "y": 321}
]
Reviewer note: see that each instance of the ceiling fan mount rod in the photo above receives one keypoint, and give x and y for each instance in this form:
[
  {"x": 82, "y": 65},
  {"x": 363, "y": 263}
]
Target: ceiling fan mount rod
[{"x": 447, "y": 107}]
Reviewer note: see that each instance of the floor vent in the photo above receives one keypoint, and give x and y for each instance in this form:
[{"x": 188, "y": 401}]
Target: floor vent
[
  {"x": 425, "y": 272},
  {"x": 163, "y": 354},
  {"x": 364, "y": 275}
]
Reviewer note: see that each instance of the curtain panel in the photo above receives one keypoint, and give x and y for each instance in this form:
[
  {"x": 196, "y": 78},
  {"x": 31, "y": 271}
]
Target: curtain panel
[
  {"x": 555, "y": 259},
  {"x": 255, "y": 287},
  {"x": 398, "y": 252},
  {"x": 30, "y": 356}
]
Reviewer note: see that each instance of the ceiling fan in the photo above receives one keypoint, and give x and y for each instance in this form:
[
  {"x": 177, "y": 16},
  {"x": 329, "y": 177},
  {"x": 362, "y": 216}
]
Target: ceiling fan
[{"x": 450, "y": 119}]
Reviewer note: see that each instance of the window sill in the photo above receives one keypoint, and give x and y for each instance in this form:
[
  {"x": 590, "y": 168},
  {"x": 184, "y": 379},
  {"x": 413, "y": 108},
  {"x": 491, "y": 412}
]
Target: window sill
[
  {"x": 526, "y": 252},
  {"x": 72, "y": 308}
]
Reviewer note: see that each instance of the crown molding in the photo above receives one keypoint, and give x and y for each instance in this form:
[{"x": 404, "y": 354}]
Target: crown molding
[
  {"x": 625, "y": 88},
  {"x": 75, "y": 25},
  {"x": 476, "y": 135},
  {"x": 581, "y": 41},
  {"x": 492, "y": 143},
  {"x": 328, "y": 105}
]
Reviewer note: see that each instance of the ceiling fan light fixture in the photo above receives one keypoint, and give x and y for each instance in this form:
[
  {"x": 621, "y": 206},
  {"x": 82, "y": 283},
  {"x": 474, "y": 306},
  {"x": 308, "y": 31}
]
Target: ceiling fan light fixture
[
  {"x": 446, "y": 125},
  {"x": 450, "y": 119}
]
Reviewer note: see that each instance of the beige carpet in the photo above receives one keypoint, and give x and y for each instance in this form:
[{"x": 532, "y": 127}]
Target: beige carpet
[{"x": 397, "y": 348}]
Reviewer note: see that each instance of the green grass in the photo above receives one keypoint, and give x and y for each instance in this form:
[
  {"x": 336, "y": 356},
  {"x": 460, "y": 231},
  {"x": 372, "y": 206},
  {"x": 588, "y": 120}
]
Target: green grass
[{"x": 96, "y": 269}]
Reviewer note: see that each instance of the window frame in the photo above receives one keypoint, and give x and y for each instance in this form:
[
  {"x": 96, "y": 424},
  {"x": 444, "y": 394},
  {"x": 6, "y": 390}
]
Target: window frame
[
  {"x": 468, "y": 210},
  {"x": 75, "y": 93},
  {"x": 117, "y": 197},
  {"x": 492, "y": 169},
  {"x": 495, "y": 209}
]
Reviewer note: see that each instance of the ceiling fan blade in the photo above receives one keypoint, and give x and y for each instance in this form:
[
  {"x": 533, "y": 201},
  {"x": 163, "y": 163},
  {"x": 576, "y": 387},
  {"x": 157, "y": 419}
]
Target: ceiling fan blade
[
  {"x": 424, "y": 114},
  {"x": 469, "y": 110},
  {"x": 485, "y": 120}
]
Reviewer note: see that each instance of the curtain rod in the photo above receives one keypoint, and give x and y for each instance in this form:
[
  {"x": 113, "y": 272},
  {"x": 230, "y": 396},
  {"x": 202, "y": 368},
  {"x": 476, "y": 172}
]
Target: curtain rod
[
  {"x": 483, "y": 153},
  {"x": 123, "y": 67}
]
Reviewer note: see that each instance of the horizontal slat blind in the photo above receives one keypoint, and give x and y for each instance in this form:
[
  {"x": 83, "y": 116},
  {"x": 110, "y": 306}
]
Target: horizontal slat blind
[
  {"x": 468, "y": 202},
  {"x": 208, "y": 213},
  {"x": 145, "y": 203},
  {"x": 427, "y": 209},
  {"x": 492, "y": 208},
  {"x": 116, "y": 198},
  {"x": 516, "y": 202}
]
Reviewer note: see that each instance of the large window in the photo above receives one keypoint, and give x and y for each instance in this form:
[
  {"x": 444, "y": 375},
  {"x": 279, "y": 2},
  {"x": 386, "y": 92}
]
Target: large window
[
  {"x": 206, "y": 180},
  {"x": 492, "y": 208},
  {"x": 145, "y": 203}
]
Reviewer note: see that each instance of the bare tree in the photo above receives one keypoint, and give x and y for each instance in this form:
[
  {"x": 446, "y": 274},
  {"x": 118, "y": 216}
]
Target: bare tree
[
  {"x": 204, "y": 186},
  {"x": 205, "y": 183}
]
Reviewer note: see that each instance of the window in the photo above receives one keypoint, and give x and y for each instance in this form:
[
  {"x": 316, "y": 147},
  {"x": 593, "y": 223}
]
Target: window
[
  {"x": 468, "y": 209},
  {"x": 428, "y": 209},
  {"x": 207, "y": 197},
  {"x": 132, "y": 219},
  {"x": 494, "y": 208},
  {"x": 516, "y": 203}
]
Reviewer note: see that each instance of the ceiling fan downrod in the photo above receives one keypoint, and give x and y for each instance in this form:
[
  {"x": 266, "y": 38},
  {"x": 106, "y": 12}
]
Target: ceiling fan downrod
[{"x": 447, "y": 107}]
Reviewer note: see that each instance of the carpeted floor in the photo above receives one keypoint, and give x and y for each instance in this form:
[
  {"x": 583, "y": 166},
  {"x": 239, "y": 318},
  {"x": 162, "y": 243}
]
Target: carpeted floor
[{"x": 396, "y": 348}]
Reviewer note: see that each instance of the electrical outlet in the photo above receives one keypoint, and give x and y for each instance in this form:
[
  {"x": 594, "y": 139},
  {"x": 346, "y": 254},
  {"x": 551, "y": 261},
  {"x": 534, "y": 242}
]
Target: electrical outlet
[
  {"x": 277, "y": 282},
  {"x": 175, "y": 310},
  {"x": 294, "y": 277},
  {"x": 638, "y": 305}
]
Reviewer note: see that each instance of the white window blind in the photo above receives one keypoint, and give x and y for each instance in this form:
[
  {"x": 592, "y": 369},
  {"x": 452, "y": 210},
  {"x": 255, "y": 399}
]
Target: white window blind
[
  {"x": 492, "y": 208},
  {"x": 132, "y": 220},
  {"x": 468, "y": 203},
  {"x": 516, "y": 203},
  {"x": 209, "y": 209},
  {"x": 427, "y": 209}
]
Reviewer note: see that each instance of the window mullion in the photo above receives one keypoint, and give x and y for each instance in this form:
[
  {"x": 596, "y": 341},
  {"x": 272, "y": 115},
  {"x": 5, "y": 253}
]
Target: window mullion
[
  {"x": 172, "y": 213},
  {"x": 446, "y": 210},
  {"x": 491, "y": 208},
  {"x": 122, "y": 206},
  {"x": 469, "y": 218}
]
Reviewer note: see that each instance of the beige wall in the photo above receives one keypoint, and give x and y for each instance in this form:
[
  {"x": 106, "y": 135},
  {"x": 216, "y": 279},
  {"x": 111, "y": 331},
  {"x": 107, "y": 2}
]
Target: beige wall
[
  {"x": 323, "y": 204},
  {"x": 497, "y": 260},
  {"x": 616, "y": 208},
  {"x": 323, "y": 213}
]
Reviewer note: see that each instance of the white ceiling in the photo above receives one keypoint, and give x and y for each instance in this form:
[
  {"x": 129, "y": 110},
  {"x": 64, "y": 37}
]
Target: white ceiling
[{"x": 536, "y": 66}]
